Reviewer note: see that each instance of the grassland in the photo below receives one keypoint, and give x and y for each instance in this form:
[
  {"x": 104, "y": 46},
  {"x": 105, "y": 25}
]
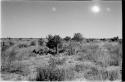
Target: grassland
[{"x": 25, "y": 59}]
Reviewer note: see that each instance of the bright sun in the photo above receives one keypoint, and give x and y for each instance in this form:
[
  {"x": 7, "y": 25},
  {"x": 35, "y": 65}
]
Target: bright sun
[{"x": 95, "y": 9}]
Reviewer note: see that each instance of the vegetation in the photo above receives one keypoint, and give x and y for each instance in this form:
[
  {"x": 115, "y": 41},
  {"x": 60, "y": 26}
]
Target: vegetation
[
  {"x": 77, "y": 37},
  {"x": 67, "y": 38},
  {"x": 57, "y": 59},
  {"x": 53, "y": 42}
]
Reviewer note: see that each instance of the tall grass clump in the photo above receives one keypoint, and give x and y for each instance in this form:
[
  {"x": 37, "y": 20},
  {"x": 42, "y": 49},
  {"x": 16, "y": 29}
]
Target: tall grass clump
[
  {"x": 4, "y": 46},
  {"x": 54, "y": 74},
  {"x": 7, "y": 59},
  {"x": 50, "y": 74},
  {"x": 111, "y": 75},
  {"x": 115, "y": 53},
  {"x": 89, "y": 52},
  {"x": 92, "y": 74}
]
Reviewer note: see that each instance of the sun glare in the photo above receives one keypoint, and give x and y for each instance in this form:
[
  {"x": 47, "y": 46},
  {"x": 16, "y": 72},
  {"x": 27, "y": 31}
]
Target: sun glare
[{"x": 95, "y": 9}]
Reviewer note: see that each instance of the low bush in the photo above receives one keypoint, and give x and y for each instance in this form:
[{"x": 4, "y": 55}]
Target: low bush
[
  {"x": 22, "y": 45},
  {"x": 32, "y": 43}
]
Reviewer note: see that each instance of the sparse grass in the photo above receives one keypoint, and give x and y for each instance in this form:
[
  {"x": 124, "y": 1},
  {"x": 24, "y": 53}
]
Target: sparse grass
[{"x": 7, "y": 59}]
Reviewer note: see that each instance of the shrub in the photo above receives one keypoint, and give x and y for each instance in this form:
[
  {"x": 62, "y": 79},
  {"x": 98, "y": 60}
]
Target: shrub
[
  {"x": 72, "y": 48},
  {"x": 40, "y": 41},
  {"x": 77, "y": 37},
  {"x": 22, "y": 45},
  {"x": 67, "y": 38},
  {"x": 32, "y": 43},
  {"x": 4, "y": 46},
  {"x": 53, "y": 42},
  {"x": 115, "y": 38},
  {"x": 49, "y": 37}
]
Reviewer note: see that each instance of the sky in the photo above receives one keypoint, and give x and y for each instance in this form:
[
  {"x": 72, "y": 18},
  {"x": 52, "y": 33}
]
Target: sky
[{"x": 93, "y": 19}]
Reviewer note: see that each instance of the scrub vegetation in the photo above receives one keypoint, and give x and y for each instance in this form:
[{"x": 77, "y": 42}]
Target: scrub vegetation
[{"x": 61, "y": 59}]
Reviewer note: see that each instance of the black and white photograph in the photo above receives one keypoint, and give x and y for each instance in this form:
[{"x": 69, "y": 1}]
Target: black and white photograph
[{"x": 61, "y": 40}]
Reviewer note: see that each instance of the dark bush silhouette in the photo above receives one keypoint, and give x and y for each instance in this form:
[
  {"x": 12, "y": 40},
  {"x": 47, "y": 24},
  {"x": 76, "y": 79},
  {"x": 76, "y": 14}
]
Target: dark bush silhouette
[
  {"x": 77, "y": 37},
  {"x": 67, "y": 38},
  {"x": 22, "y": 45},
  {"x": 103, "y": 39},
  {"x": 53, "y": 42},
  {"x": 32, "y": 43},
  {"x": 115, "y": 38}
]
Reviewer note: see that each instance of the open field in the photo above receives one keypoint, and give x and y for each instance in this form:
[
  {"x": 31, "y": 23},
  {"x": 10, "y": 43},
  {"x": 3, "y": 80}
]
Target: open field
[{"x": 31, "y": 59}]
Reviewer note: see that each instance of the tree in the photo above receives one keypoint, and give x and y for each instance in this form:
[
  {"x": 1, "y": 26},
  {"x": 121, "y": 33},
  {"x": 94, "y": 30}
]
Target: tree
[
  {"x": 49, "y": 37},
  {"x": 53, "y": 42},
  {"x": 67, "y": 38},
  {"x": 77, "y": 37}
]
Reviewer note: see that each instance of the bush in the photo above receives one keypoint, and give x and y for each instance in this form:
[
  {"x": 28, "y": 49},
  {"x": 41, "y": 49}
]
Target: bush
[
  {"x": 32, "y": 43},
  {"x": 67, "y": 38},
  {"x": 4, "y": 46},
  {"x": 72, "y": 48},
  {"x": 53, "y": 42},
  {"x": 77, "y": 37},
  {"x": 40, "y": 41},
  {"x": 22, "y": 45}
]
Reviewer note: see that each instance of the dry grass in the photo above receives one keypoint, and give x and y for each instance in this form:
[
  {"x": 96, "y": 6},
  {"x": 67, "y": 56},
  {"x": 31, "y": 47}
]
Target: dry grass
[{"x": 94, "y": 61}]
